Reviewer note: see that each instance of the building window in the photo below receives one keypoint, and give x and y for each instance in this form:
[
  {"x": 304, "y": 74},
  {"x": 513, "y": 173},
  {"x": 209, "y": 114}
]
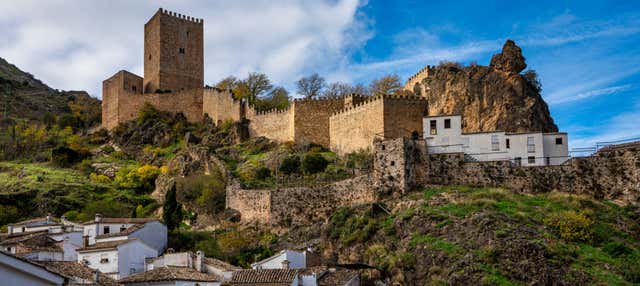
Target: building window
[
  {"x": 382, "y": 147},
  {"x": 531, "y": 145},
  {"x": 393, "y": 163},
  {"x": 433, "y": 128},
  {"x": 508, "y": 143},
  {"x": 106, "y": 230},
  {"x": 531, "y": 160},
  {"x": 517, "y": 161},
  {"x": 447, "y": 123},
  {"x": 104, "y": 258},
  {"x": 149, "y": 56},
  {"x": 558, "y": 140},
  {"x": 548, "y": 161},
  {"x": 495, "y": 144},
  {"x": 181, "y": 50},
  {"x": 134, "y": 88}
]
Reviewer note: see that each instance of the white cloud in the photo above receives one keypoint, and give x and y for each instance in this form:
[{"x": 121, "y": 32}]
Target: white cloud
[
  {"x": 620, "y": 127},
  {"x": 77, "y": 44}
]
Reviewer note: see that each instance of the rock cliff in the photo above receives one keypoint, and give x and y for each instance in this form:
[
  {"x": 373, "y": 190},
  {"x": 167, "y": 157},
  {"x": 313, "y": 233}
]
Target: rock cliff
[{"x": 494, "y": 97}]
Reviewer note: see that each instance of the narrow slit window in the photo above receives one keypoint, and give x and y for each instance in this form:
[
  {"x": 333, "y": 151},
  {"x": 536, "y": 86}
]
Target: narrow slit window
[
  {"x": 433, "y": 128},
  {"x": 508, "y": 143},
  {"x": 181, "y": 50}
]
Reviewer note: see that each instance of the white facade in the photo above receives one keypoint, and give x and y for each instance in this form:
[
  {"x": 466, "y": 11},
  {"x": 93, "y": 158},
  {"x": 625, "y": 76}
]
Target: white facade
[
  {"x": 152, "y": 233},
  {"x": 443, "y": 134},
  {"x": 118, "y": 262},
  {"x": 14, "y": 271},
  {"x": 294, "y": 260}
]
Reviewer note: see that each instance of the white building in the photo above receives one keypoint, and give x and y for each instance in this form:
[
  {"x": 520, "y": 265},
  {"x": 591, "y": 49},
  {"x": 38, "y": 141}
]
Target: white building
[
  {"x": 196, "y": 261},
  {"x": 443, "y": 134},
  {"x": 19, "y": 271},
  {"x": 43, "y": 239},
  {"x": 149, "y": 230},
  {"x": 117, "y": 259}
]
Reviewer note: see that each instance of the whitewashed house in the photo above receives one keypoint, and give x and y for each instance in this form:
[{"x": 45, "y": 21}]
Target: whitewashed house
[
  {"x": 20, "y": 271},
  {"x": 285, "y": 259},
  {"x": 443, "y": 134},
  {"x": 149, "y": 230},
  {"x": 196, "y": 261},
  {"x": 43, "y": 239},
  {"x": 183, "y": 268},
  {"x": 117, "y": 259}
]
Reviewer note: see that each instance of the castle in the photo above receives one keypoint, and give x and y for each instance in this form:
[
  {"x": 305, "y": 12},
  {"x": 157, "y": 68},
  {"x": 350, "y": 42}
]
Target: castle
[{"x": 174, "y": 81}]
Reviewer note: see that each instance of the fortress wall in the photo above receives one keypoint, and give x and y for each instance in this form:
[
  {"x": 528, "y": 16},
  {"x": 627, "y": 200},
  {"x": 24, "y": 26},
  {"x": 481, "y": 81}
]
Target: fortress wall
[
  {"x": 355, "y": 128},
  {"x": 188, "y": 102},
  {"x": 220, "y": 105},
  {"x": 254, "y": 205},
  {"x": 417, "y": 79},
  {"x": 275, "y": 125},
  {"x": 311, "y": 119},
  {"x": 299, "y": 205},
  {"x": 402, "y": 116}
]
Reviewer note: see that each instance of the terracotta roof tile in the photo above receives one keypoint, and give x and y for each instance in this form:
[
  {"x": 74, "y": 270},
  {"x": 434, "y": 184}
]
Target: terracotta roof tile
[
  {"x": 170, "y": 273},
  {"x": 220, "y": 264},
  {"x": 251, "y": 276},
  {"x": 76, "y": 270},
  {"x": 106, "y": 245},
  {"x": 24, "y": 237}
]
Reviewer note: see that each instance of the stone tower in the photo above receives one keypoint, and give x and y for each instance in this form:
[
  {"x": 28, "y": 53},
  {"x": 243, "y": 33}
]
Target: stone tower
[{"x": 173, "y": 52}]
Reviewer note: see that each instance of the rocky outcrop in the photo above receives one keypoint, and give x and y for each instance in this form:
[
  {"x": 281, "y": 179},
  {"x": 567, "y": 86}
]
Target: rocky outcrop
[{"x": 494, "y": 97}]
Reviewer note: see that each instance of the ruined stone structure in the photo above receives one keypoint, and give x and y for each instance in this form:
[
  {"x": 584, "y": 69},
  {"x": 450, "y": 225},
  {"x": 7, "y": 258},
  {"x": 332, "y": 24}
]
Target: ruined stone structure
[
  {"x": 173, "y": 82},
  {"x": 613, "y": 174},
  {"x": 414, "y": 82}
]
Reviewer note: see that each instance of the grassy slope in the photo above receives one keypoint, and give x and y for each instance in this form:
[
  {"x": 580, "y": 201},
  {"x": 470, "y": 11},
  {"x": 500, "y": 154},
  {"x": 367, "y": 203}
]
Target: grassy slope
[{"x": 492, "y": 236}]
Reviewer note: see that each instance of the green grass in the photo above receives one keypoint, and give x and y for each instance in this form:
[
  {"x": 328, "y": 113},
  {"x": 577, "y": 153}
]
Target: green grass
[{"x": 434, "y": 243}]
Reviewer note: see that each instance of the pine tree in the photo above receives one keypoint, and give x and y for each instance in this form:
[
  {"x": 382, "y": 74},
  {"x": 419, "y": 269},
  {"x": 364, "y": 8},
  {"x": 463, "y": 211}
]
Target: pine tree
[{"x": 172, "y": 214}]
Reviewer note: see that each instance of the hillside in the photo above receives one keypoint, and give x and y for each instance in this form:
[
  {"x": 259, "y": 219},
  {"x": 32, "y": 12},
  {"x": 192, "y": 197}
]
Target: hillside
[
  {"x": 494, "y": 97},
  {"x": 25, "y": 97}
]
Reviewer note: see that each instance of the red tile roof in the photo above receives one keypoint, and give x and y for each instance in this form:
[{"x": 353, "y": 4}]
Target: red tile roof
[
  {"x": 170, "y": 273},
  {"x": 105, "y": 245},
  {"x": 263, "y": 276},
  {"x": 75, "y": 270}
]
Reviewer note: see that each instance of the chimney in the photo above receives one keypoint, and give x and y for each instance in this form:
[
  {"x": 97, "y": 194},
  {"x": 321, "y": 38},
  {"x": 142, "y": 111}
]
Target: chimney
[
  {"x": 98, "y": 218},
  {"x": 85, "y": 241},
  {"x": 200, "y": 261},
  {"x": 9, "y": 229},
  {"x": 285, "y": 264}
]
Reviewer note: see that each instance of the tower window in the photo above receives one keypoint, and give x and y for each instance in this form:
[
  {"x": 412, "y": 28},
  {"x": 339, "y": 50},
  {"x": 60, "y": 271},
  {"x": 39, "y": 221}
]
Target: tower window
[
  {"x": 447, "y": 123},
  {"x": 508, "y": 143},
  {"x": 149, "y": 56},
  {"x": 558, "y": 140},
  {"x": 181, "y": 50}
]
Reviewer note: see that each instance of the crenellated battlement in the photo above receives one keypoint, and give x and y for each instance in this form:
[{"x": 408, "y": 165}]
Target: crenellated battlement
[
  {"x": 180, "y": 16},
  {"x": 372, "y": 99},
  {"x": 425, "y": 72}
]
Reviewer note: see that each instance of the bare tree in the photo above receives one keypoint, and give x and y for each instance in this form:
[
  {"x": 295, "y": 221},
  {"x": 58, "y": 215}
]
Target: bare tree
[
  {"x": 342, "y": 89},
  {"x": 311, "y": 86},
  {"x": 388, "y": 84}
]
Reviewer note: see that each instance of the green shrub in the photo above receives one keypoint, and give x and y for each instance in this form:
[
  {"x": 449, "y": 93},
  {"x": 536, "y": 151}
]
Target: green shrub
[
  {"x": 290, "y": 165},
  {"x": 263, "y": 173},
  {"x": 8, "y": 214},
  {"x": 208, "y": 191},
  {"x": 616, "y": 249},
  {"x": 140, "y": 179},
  {"x": 99, "y": 178},
  {"x": 314, "y": 163},
  {"x": 209, "y": 246},
  {"x": 571, "y": 225},
  {"x": 147, "y": 112},
  {"x": 64, "y": 156}
]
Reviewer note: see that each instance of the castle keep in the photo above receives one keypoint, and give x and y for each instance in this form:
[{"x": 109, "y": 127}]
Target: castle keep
[{"x": 174, "y": 82}]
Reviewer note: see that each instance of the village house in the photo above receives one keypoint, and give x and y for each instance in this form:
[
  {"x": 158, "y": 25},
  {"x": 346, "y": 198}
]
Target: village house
[
  {"x": 119, "y": 258},
  {"x": 20, "y": 271},
  {"x": 149, "y": 230},
  {"x": 183, "y": 268},
  {"x": 443, "y": 134},
  {"x": 78, "y": 274},
  {"x": 43, "y": 239},
  {"x": 197, "y": 261},
  {"x": 275, "y": 277}
]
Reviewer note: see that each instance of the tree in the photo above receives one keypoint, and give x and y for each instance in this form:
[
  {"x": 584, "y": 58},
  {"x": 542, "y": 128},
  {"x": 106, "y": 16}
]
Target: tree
[
  {"x": 336, "y": 89},
  {"x": 314, "y": 163},
  {"x": 172, "y": 210},
  {"x": 255, "y": 85},
  {"x": 388, "y": 84},
  {"x": 532, "y": 77},
  {"x": 311, "y": 86},
  {"x": 278, "y": 98},
  {"x": 230, "y": 82}
]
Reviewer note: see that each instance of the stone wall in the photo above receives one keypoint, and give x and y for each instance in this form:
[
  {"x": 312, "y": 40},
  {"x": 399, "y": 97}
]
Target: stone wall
[
  {"x": 291, "y": 206},
  {"x": 612, "y": 175},
  {"x": 355, "y": 128},
  {"x": 276, "y": 125},
  {"x": 414, "y": 82},
  {"x": 382, "y": 116},
  {"x": 311, "y": 119},
  {"x": 220, "y": 105},
  {"x": 123, "y": 105}
]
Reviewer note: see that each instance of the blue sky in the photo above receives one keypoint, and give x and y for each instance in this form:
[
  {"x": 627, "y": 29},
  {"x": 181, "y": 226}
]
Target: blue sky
[{"x": 585, "y": 52}]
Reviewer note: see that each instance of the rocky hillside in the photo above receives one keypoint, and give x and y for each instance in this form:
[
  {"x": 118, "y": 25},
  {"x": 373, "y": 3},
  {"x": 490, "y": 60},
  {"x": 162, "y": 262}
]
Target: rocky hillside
[
  {"x": 25, "y": 97},
  {"x": 494, "y": 97}
]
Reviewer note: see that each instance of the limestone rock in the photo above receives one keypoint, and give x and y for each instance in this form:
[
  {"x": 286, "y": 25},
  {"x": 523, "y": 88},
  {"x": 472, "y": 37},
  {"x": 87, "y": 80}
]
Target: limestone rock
[{"x": 495, "y": 97}]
